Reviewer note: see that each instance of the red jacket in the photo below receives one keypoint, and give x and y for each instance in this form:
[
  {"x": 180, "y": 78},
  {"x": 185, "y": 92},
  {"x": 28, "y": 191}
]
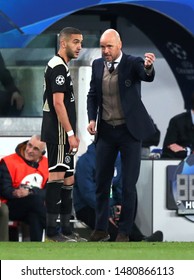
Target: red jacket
[
  {"x": 16, "y": 171},
  {"x": 22, "y": 173}
]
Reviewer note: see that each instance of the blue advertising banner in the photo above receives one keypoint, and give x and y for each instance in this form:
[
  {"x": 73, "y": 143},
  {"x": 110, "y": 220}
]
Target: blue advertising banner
[{"x": 31, "y": 17}]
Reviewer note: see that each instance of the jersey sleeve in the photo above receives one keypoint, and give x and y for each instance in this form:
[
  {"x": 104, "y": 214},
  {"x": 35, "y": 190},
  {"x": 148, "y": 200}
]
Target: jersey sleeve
[{"x": 58, "y": 79}]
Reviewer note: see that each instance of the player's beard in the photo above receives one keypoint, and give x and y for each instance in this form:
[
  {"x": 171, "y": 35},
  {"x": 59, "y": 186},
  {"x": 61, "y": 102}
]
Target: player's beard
[{"x": 70, "y": 54}]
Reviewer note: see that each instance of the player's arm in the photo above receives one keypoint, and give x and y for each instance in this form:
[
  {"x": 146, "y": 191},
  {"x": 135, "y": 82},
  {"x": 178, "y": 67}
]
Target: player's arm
[{"x": 58, "y": 103}]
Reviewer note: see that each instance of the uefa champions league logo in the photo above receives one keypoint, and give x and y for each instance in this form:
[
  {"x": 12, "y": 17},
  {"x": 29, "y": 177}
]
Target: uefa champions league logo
[{"x": 177, "y": 50}]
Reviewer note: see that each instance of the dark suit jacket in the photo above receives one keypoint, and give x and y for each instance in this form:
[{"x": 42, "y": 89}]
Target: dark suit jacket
[
  {"x": 130, "y": 74},
  {"x": 181, "y": 132}
]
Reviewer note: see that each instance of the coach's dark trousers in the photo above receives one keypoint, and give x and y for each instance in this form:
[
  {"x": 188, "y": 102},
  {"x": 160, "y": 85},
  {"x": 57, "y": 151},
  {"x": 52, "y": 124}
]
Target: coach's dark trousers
[{"x": 111, "y": 140}]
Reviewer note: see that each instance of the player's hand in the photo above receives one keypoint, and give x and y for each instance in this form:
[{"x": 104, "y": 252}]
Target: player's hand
[{"x": 74, "y": 144}]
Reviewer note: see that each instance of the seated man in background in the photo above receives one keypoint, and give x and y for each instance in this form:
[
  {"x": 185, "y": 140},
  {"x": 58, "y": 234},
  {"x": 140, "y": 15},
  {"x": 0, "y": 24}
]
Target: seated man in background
[
  {"x": 179, "y": 139},
  {"x": 23, "y": 176},
  {"x": 84, "y": 197},
  {"x": 4, "y": 219},
  {"x": 154, "y": 140},
  {"x": 11, "y": 101}
]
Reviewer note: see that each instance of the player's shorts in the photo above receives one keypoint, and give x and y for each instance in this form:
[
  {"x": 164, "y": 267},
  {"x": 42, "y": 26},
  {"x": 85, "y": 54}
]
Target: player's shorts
[{"x": 59, "y": 160}]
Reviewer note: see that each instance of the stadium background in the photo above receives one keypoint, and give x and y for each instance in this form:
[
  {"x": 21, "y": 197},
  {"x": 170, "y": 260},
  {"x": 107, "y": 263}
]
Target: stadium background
[{"x": 167, "y": 27}]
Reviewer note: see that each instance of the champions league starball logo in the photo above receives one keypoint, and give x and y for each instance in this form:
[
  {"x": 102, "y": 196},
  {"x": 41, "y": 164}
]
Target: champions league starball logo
[
  {"x": 177, "y": 50},
  {"x": 60, "y": 80},
  {"x": 183, "y": 188}
]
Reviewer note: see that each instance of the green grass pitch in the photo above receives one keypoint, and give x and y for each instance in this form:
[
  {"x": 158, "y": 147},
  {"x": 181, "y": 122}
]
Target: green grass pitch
[{"x": 97, "y": 251}]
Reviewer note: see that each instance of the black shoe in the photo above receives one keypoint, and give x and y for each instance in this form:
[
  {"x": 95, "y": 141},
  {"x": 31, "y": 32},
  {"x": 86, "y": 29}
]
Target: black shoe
[
  {"x": 98, "y": 235},
  {"x": 121, "y": 237},
  {"x": 157, "y": 236}
]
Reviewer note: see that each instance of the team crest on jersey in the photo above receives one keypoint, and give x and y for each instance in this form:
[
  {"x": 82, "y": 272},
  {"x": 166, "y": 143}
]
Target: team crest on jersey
[
  {"x": 67, "y": 159},
  {"x": 60, "y": 80}
]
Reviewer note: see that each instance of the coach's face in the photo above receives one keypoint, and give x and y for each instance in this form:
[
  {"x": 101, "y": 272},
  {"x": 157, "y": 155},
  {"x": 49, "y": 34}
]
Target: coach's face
[{"x": 110, "y": 45}]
